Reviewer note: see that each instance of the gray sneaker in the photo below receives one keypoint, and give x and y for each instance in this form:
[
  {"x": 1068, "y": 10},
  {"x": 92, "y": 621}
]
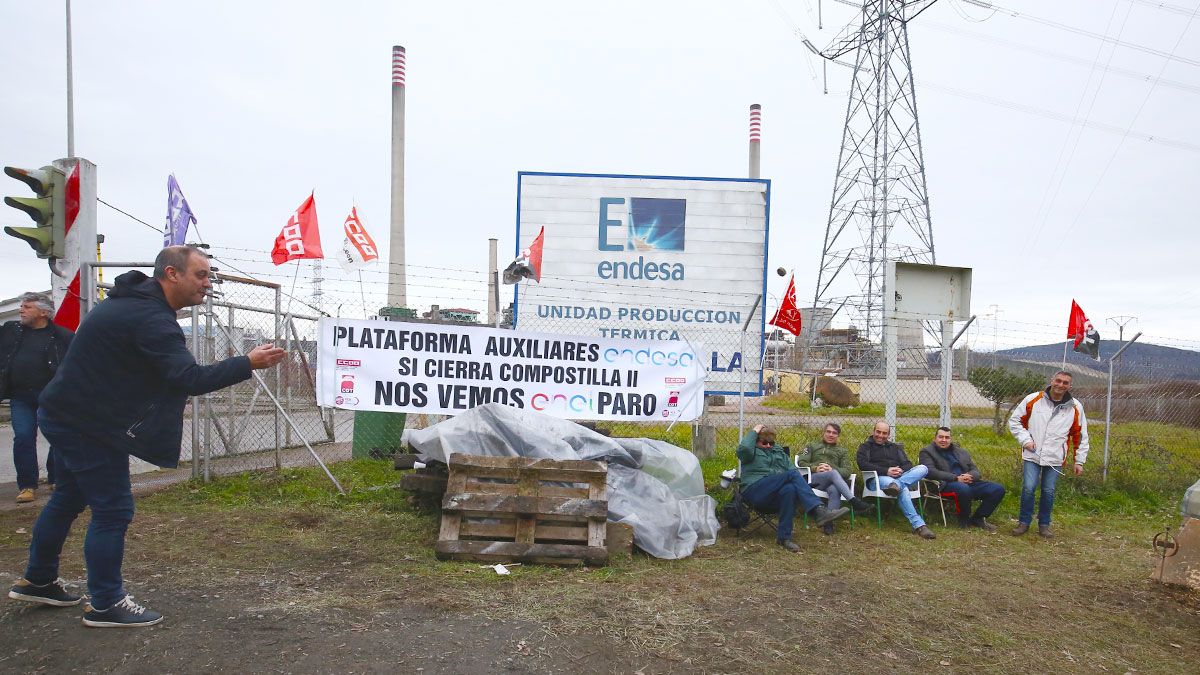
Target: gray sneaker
[
  {"x": 125, "y": 614},
  {"x": 1020, "y": 529},
  {"x": 1044, "y": 531},
  {"x": 54, "y": 593},
  {"x": 788, "y": 545}
]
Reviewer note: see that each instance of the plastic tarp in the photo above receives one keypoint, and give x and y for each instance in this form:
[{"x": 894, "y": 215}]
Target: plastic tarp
[
  {"x": 655, "y": 487},
  {"x": 1191, "y": 501}
]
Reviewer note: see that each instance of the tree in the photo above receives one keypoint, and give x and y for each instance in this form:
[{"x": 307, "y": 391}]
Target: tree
[{"x": 1003, "y": 386}]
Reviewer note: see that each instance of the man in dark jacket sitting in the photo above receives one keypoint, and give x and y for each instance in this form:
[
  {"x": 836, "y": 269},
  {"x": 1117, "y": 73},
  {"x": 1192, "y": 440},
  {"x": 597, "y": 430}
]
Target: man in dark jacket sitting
[
  {"x": 120, "y": 391},
  {"x": 771, "y": 484},
  {"x": 952, "y": 466},
  {"x": 896, "y": 474}
]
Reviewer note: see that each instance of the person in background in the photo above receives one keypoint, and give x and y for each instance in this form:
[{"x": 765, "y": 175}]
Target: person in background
[
  {"x": 830, "y": 466},
  {"x": 896, "y": 474},
  {"x": 1052, "y": 429},
  {"x": 953, "y": 468},
  {"x": 31, "y": 350},
  {"x": 770, "y": 483}
]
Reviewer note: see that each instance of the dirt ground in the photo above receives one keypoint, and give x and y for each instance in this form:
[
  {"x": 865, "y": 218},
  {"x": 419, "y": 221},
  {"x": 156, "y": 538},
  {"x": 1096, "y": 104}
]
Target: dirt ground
[{"x": 259, "y": 580}]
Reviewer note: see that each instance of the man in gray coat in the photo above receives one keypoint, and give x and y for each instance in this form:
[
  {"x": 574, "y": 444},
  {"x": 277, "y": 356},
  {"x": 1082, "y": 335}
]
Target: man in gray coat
[{"x": 953, "y": 468}]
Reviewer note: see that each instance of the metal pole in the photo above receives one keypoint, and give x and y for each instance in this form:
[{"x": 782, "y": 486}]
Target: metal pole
[
  {"x": 278, "y": 370},
  {"x": 70, "y": 91},
  {"x": 195, "y": 399},
  {"x": 742, "y": 373},
  {"x": 493, "y": 301},
  {"x": 208, "y": 358},
  {"x": 1108, "y": 405},
  {"x": 496, "y": 294},
  {"x": 947, "y": 373},
  {"x": 287, "y": 377},
  {"x": 231, "y": 399}
]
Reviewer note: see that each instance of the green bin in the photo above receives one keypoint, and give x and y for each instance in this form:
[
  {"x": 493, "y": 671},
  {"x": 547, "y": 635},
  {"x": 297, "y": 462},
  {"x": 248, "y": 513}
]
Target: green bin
[{"x": 377, "y": 434}]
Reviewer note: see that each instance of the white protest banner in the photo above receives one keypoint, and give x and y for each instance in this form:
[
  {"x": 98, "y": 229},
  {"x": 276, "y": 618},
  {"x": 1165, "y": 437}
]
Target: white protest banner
[{"x": 394, "y": 366}]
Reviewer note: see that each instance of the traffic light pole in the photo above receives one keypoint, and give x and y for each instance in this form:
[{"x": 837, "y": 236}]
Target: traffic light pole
[{"x": 79, "y": 243}]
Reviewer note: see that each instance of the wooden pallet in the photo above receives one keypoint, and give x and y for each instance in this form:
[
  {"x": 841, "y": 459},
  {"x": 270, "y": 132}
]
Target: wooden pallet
[{"x": 520, "y": 509}]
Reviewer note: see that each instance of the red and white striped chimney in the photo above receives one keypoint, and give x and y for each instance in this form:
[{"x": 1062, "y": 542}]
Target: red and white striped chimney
[
  {"x": 755, "y": 138},
  {"x": 397, "y": 286},
  {"x": 398, "y": 66}
]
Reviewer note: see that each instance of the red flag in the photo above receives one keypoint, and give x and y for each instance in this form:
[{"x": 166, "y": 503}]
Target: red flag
[
  {"x": 534, "y": 253},
  {"x": 300, "y": 238},
  {"x": 1078, "y": 324},
  {"x": 787, "y": 316},
  {"x": 1080, "y": 328},
  {"x": 528, "y": 265}
]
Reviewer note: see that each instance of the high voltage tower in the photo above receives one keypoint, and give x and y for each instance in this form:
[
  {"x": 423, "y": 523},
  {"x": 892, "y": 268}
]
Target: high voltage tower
[{"x": 880, "y": 206}]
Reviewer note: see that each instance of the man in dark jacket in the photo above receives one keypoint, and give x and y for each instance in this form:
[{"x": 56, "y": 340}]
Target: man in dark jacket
[
  {"x": 30, "y": 351},
  {"x": 952, "y": 466},
  {"x": 896, "y": 474},
  {"x": 771, "y": 484},
  {"x": 121, "y": 392}
]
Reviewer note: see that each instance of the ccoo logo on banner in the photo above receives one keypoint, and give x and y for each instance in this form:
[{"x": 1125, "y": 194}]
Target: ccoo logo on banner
[{"x": 430, "y": 368}]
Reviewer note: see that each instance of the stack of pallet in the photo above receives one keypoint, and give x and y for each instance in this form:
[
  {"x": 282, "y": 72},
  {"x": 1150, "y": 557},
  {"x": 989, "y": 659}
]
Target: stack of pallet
[{"x": 520, "y": 509}]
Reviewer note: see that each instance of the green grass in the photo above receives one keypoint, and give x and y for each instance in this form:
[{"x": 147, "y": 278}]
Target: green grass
[
  {"x": 288, "y": 540},
  {"x": 801, "y": 404}
]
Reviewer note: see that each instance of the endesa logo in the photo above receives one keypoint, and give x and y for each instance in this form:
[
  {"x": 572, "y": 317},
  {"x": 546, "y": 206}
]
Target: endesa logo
[
  {"x": 647, "y": 357},
  {"x": 651, "y": 225},
  {"x": 348, "y": 364}
]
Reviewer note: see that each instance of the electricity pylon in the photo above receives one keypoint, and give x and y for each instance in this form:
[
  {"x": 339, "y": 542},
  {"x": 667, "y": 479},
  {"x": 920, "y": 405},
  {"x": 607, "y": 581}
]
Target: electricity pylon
[{"x": 880, "y": 206}]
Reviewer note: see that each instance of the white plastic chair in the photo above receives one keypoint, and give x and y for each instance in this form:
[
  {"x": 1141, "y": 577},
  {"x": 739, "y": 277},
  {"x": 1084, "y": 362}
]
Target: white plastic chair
[
  {"x": 914, "y": 492},
  {"x": 823, "y": 494}
]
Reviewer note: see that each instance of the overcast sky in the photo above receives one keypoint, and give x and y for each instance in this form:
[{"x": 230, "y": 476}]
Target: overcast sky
[{"x": 254, "y": 104}]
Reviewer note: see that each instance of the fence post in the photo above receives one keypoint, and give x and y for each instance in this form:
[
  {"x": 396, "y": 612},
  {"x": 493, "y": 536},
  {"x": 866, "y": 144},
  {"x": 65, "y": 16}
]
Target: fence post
[
  {"x": 208, "y": 359},
  {"x": 1108, "y": 404},
  {"x": 279, "y": 367},
  {"x": 196, "y": 351}
]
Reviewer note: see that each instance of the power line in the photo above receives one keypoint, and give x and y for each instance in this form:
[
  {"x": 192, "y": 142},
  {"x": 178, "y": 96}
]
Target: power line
[
  {"x": 130, "y": 215},
  {"x": 1170, "y": 56}
]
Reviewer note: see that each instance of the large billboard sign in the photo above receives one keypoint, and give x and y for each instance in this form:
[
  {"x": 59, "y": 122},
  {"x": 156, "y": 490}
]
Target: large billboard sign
[{"x": 650, "y": 258}]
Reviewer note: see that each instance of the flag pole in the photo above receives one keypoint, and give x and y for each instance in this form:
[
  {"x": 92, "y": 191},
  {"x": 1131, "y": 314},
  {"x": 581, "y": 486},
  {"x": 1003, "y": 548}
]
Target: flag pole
[{"x": 1064, "y": 361}]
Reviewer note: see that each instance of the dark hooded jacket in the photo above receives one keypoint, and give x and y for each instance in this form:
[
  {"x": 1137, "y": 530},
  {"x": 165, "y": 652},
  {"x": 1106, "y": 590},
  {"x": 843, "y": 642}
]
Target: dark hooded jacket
[
  {"x": 12, "y": 333},
  {"x": 939, "y": 468},
  {"x": 128, "y": 374}
]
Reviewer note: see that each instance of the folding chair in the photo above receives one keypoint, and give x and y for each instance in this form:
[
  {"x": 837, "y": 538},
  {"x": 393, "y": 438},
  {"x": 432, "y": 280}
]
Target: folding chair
[
  {"x": 880, "y": 495},
  {"x": 823, "y": 494},
  {"x": 732, "y": 479},
  {"x": 933, "y": 490}
]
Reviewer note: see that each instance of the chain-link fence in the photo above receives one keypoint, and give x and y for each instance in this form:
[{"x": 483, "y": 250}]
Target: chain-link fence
[{"x": 833, "y": 372}]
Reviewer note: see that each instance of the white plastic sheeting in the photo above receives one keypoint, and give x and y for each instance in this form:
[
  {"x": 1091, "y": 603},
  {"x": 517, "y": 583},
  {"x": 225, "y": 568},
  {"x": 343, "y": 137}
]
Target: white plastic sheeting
[{"x": 653, "y": 486}]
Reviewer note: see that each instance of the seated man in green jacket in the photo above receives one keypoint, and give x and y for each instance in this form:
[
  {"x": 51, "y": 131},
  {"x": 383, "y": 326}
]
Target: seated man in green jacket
[
  {"x": 771, "y": 484},
  {"x": 830, "y": 464}
]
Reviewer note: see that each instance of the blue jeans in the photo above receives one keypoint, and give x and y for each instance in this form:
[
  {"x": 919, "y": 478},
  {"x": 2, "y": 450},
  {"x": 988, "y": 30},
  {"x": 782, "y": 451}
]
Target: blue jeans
[
  {"x": 25, "y": 461},
  {"x": 779, "y": 493},
  {"x": 834, "y": 485},
  {"x": 989, "y": 495},
  {"x": 1034, "y": 474},
  {"x": 90, "y": 474},
  {"x": 906, "y": 480}
]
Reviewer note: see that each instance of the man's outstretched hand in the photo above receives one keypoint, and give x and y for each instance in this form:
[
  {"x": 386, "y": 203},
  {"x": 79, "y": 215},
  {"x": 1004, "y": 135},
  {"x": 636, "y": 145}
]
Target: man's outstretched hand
[{"x": 265, "y": 356}]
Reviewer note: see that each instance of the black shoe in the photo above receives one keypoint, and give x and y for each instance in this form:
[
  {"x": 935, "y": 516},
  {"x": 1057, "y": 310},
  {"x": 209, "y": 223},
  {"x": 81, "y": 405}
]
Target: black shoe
[
  {"x": 827, "y": 528},
  {"x": 964, "y": 523},
  {"x": 983, "y": 524},
  {"x": 54, "y": 593},
  {"x": 893, "y": 490},
  {"x": 789, "y": 545},
  {"x": 862, "y": 507},
  {"x": 822, "y": 515},
  {"x": 125, "y": 614}
]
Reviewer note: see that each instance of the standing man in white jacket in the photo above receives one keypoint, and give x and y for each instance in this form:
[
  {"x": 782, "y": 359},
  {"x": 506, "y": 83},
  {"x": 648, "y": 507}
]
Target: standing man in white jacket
[{"x": 1051, "y": 428}]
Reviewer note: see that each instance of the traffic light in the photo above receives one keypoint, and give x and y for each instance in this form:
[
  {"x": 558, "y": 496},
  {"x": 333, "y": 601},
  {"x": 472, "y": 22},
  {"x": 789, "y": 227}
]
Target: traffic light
[{"x": 47, "y": 210}]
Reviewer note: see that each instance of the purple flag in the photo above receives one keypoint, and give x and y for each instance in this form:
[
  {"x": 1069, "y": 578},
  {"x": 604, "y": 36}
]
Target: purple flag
[{"x": 179, "y": 215}]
